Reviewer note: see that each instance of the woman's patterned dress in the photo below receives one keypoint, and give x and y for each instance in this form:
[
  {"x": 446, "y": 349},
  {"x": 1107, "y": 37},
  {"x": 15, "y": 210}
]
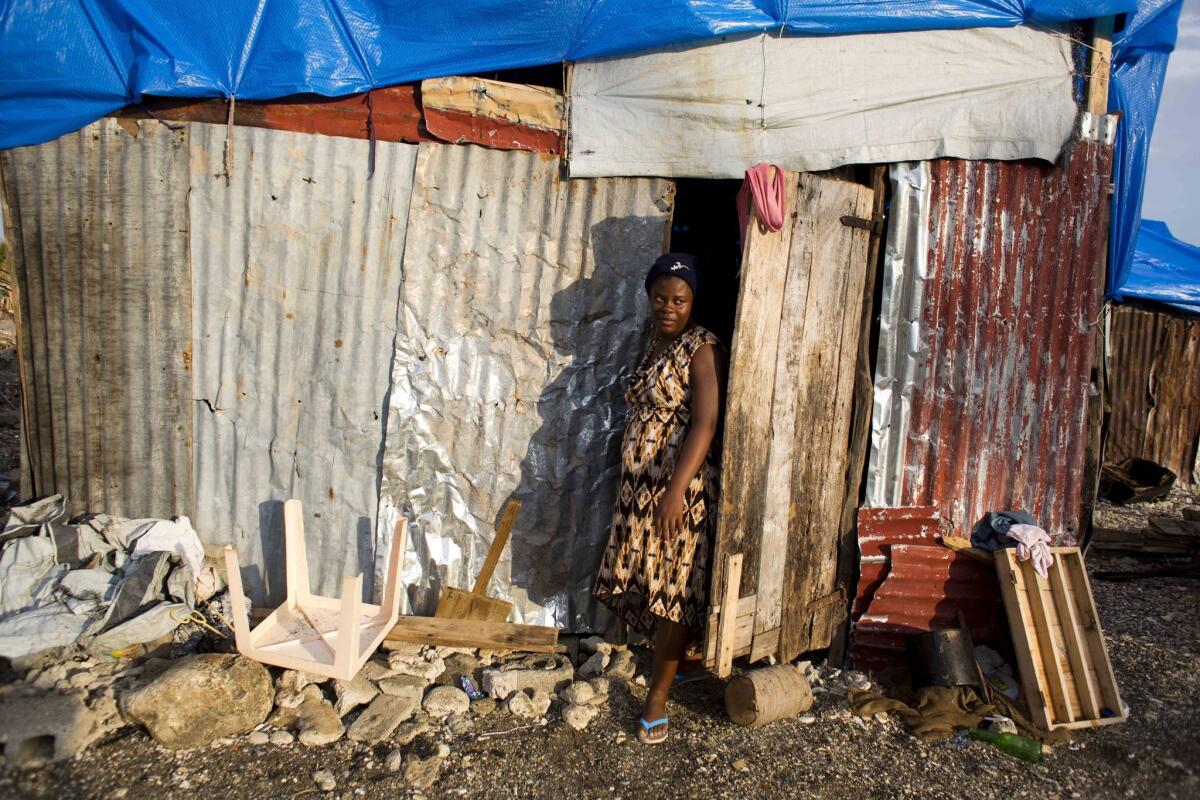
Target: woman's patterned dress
[{"x": 642, "y": 577}]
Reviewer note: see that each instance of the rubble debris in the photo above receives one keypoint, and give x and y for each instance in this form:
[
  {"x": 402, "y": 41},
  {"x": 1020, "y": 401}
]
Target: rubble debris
[
  {"x": 595, "y": 664},
  {"x": 351, "y": 694},
  {"x": 258, "y": 737},
  {"x": 483, "y": 707},
  {"x": 622, "y": 665},
  {"x": 422, "y": 772},
  {"x": 547, "y": 673},
  {"x": 417, "y": 665},
  {"x": 393, "y": 760},
  {"x": 202, "y": 698},
  {"x": 39, "y": 729},
  {"x": 380, "y": 719},
  {"x": 578, "y": 693},
  {"x": 578, "y": 716},
  {"x": 314, "y": 719},
  {"x": 442, "y": 701},
  {"x": 281, "y": 738},
  {"x": 324, "y": 780},
  {"x": 404, "y": 686}
]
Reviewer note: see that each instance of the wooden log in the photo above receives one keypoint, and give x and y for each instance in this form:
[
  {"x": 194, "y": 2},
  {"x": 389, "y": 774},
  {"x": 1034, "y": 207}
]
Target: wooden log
[{"x": 764, "y": 695}]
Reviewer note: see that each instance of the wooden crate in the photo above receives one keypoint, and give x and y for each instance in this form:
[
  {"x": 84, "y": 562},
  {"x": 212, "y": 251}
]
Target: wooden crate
[{"x": 1065, "y": 672}]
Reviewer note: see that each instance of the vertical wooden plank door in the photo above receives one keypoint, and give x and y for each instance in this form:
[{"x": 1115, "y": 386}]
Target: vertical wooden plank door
[{"x": 790, "y": 394}]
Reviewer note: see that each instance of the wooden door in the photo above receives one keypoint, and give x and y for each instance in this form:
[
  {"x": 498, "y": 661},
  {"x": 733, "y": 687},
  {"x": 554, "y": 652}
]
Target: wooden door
[{"x": 790, "y": 396}]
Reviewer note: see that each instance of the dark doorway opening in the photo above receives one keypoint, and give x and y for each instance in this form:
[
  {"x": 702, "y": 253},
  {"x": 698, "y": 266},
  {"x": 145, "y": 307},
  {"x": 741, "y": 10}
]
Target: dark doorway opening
[{"x": 706, "y": 225}]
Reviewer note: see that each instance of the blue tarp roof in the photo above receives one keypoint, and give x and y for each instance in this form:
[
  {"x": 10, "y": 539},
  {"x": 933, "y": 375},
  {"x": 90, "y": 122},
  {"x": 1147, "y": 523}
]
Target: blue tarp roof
[
  {"x": 1164, "y": 269},
  {"x": 69, "y": 62}
]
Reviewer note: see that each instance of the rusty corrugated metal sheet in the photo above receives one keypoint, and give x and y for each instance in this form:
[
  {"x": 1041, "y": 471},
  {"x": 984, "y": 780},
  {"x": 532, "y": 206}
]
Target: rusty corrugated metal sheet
[
  {"x": 98, "y": 234},
  {"x": 521, "y": 315},
  {"x": 924, "y": 589},
  {"x": 1001, "y": 339},
  {"x": 878, "y": 530},
  {"x": 297, "y": 271},
  {"x": 1155, "y": 379}
]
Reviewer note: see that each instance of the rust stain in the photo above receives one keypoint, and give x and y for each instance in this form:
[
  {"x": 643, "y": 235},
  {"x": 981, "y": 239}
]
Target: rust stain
[
  {"x": 999, "y": 417},
  {"x": 187, "y": 358},
  {"x": 289, "y": 315},
  {"x": 337, "y": 343}
]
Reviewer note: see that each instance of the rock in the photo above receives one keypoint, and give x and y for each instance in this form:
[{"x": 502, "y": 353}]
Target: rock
[
  {"x": 594, "y": 665},
  {"x": 600, "y": 685},
  {"x": 404, "y": 686},
  {"x": 569, "y": 647},
  {"x": 375, "y": 671},
  {"x": 457, "y": 665},
  {"x": 741, "y": 766},
  {"x": 459, "y": 724},
  {"x": 315, "y": 719},
  {"x": 106, "y": 712},
  {"x": 578, "y": 693},
  {"x": 290, "y": 686},
  {"x": 806, "y": 719},
  {"x": 483, "y": 706},
  {"x": 81, "y": 679},
  {"x": 409, "y": 731},
  {"x": 403, "y": 648},
  {"x": 353, "y": 693},
  {"x": 622, "y": 665},
  {"x": 380, "y": 718},
  {"x": 543, "y": 673},
  {"x": 541, "y": 702},
  {"x": 258, "y": 737},
  {"x": 324, "y": 780},
  {"x": 201, "y": 698},
  {"x": 595, "y": 644},
  {"x": 639, "y": 680},
  {"x": 521, "y": 705},
  {"x": 442, "y": 701},
  {"x": 422, "y": 773},
  {"x": 405, "y": 664},
  {"x": 578, "y": 717},
  {"x": 281, "y": 738},
  {"x": 393, "y": 761},
  {"x": 40, "y": 729}
]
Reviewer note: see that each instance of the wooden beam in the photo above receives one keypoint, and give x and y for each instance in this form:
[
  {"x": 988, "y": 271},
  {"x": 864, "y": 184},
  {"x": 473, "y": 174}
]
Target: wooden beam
[
  {"x": 727, "y": 624},
  {"x": 1100, "y": 65},
  {"x": 474, "y": 633},
  {"x": 1064, "y": 600}
]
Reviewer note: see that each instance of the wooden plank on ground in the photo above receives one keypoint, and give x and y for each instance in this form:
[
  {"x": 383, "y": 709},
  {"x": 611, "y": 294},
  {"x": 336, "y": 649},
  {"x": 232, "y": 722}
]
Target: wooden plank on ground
[
  {"x": 1012, "y": 589},
  {"x": 474, "y": 633},
  {"x": 727, "y": 624},
  {"x": 1092, "y": 634},
  {"x": 1046, "y": 644},
  {"x": 827, "y": 328},
  {"x": 749, "y": 398},
  {"x": 1064, "y": 601}
]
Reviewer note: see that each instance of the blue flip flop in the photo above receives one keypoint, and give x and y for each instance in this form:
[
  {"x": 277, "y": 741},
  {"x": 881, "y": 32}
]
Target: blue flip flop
[
  {"x": 681, "y": 678},
  {"x": 644, "y": 735}
]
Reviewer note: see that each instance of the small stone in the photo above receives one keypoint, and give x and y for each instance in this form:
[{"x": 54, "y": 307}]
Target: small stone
[
  {"x": 881, "y": 716},
  {"x": 483, "y": 706},
  {"x": 393, "y": 761},
  {"x": 404, "y": 686},
  {"x": 281, "y": 738},
  {"x": 376, "y": 671},
  {"x": 405, "y": 664},
  {"x": 595, "y": 644},
  {"x": 457, "y": 665},
  {"x": 578, "y": 717},
  {"x": 422, "y": 773},
  {"x": 541, "y": 702},
  {"x": 442, "y": 701},
  {"x": 258, "y": 737},
  {"x": 806, "y": 719},
  {"x": 622, "y": 665},
  {"x": 594, "y": 665},
  {"x": 741, "y": 766},
  {"x": 409, "y": 731},
  {"x": 324, "y": 780},
  {"x": 460, "y": 724},
  {"x": 520, "y": 705},
  {"x": 81, "y": 680},
  {"x": 534, "y": 673},
  {"x": 639, "y": 680},
  {"x": 315, "y": 719},
  {"x": 380, "y": 718},
  {"x": 620, "y": 738},
  {"x": 353, "y": 693},
  {"x": 578, "y": 693}
]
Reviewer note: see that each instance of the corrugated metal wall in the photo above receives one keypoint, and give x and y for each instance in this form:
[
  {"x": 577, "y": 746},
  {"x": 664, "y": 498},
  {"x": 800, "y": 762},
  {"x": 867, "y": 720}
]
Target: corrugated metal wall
[
  {"x": 1155, "y": 380},
  {"x": 1002, "y": 340},
  {"x": 98, "y": 230},
  {"x": 521, "y": 314},
  {"x": 297, "y": 270}
]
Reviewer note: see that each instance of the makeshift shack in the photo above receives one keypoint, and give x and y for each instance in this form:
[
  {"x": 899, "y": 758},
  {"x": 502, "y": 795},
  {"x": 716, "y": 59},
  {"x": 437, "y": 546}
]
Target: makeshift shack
[{"x": 422, "y": 301}]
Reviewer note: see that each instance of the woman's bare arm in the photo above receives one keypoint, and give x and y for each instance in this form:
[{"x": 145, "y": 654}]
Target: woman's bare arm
[{"x": 706, "y": 406}]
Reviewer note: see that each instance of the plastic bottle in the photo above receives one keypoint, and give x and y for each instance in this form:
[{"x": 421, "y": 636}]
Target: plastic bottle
[{"x": 1011, "y": 743}]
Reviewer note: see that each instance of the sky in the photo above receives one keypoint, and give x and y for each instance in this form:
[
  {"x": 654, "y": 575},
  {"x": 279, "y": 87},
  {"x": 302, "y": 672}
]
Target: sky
[{"x": 1174, "y": 171}]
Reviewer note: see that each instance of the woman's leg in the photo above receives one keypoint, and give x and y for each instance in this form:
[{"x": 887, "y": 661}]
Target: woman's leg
[{"x": 670, "y": 641}]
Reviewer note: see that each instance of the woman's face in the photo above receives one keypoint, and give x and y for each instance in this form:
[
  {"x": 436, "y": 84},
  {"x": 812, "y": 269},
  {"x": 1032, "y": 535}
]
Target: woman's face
[{"x": 670, "y": 304}]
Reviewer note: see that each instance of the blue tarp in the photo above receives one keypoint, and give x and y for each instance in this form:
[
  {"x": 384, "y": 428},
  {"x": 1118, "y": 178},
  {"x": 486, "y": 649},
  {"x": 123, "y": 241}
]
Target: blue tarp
[
  {"x": 67, "y": 63},
  {"x": 1164, "y": 269},
  {"x": 1140, "y": 53}
]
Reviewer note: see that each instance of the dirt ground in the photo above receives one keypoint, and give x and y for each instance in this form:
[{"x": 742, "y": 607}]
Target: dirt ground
[{"x": 1153, "y": 634}]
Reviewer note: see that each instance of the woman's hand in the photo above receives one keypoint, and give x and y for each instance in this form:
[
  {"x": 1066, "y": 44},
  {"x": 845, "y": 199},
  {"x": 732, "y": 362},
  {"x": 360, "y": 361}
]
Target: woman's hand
[{"x": 668, "y": 517}]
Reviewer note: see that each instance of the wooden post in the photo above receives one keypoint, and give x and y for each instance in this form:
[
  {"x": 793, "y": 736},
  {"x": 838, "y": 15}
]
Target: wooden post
[
  {"x": 1100, "y": 65},
  {"x": 727, "y": 624},
  {"x": 765, "y": 695}
]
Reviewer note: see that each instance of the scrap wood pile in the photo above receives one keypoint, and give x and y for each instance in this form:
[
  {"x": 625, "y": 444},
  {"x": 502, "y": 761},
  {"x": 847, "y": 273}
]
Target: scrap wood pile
[{"x": 949, "y": 683}]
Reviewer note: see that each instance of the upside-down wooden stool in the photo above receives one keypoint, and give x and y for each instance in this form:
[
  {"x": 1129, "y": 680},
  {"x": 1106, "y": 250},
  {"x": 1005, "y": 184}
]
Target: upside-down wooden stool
[{"x": 322, "y": 635}]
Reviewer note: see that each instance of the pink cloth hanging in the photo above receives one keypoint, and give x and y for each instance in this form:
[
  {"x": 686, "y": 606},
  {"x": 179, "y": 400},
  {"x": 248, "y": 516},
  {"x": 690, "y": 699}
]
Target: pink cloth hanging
[{"x": 767, "y": 184}]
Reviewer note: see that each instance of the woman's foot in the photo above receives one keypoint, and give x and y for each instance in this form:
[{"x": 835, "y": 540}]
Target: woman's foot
[{"x": 653, "y": 731}]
